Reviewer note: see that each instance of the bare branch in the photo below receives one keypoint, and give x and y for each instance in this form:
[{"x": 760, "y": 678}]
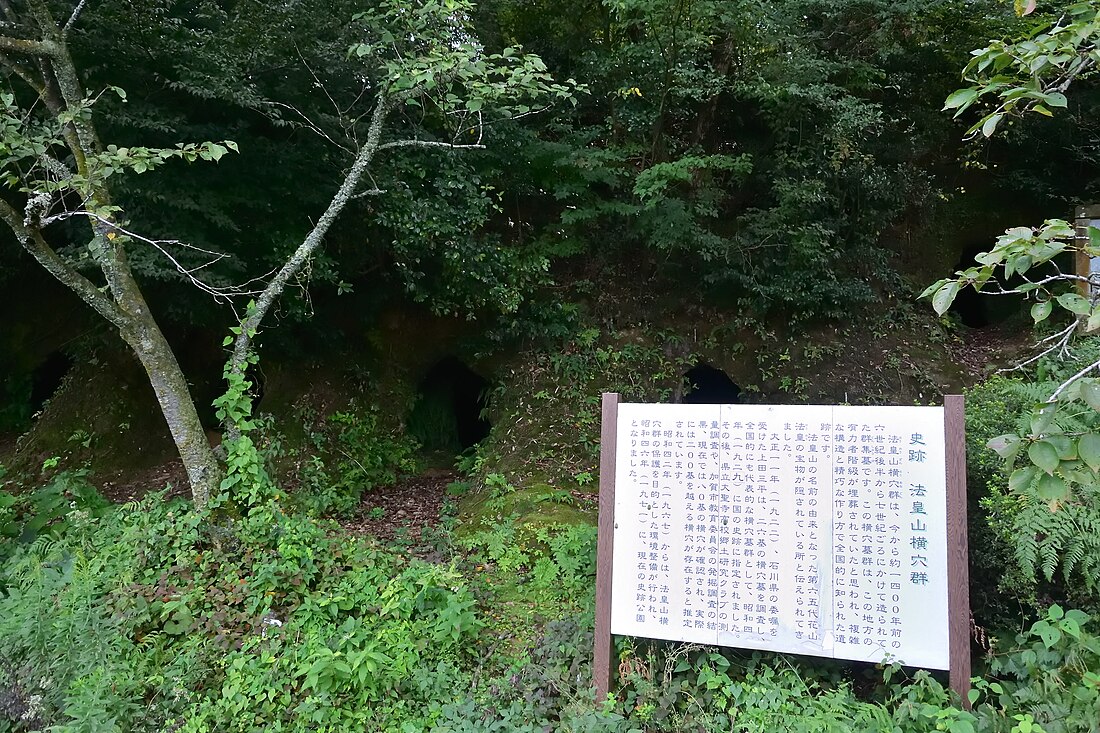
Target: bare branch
[
  {"x": 318, "y": 82},
  {"x": 222, "y": 294},
  {"x": 1061, "y": 341},
  {"x": 1065, "y": 385},
  {"x": 428, "y": 144},
  {"x": 310, "y": 124},
  {"x": 1001, "y": 290},
  {"x": 72, "y": 18}
]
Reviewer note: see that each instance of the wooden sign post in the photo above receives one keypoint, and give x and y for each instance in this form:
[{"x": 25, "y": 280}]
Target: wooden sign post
[{"x": 830, "y": 531}]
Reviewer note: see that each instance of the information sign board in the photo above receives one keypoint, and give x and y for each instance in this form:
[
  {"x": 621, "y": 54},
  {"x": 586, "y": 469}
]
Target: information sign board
[
  {"x": 809, "y": 529},
  {"x": 822, "y": 530}
]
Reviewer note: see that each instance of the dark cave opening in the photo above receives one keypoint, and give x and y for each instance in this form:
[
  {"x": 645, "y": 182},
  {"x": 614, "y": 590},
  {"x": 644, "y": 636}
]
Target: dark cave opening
[
  {"x": 447, "y": 414},
  {"x": 46, "y": 379},
  {"x": 976, "y": 310},
  {"x": 705, "y": 385}
]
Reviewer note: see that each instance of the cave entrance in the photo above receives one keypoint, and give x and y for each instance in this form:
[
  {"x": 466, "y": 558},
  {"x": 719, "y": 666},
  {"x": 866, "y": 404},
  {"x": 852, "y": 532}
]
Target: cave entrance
[
  {"x": 705, "y": 385},
  {"x": 976, "y": 310},
  {"x": 447, "y": 414},
  {"x": 46, "y": 379}
]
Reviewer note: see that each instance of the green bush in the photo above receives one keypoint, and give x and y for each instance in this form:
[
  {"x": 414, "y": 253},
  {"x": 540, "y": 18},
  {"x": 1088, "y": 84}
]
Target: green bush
[
  {"x": 1051, "y": 677},
  {"x": 48, "y": 511},
  {"x": 353, "y": 453},
  {"x": 999, "y": 590}
]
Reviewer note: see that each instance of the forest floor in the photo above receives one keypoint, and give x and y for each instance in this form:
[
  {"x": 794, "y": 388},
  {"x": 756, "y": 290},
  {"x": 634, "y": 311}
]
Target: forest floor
[
  {"x": 407, "y": 514},
  {"x": 984, "y": 351}
]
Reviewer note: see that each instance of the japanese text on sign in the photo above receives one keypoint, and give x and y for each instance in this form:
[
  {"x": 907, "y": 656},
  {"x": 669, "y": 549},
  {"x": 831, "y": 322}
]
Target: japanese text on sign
[{"x": 806, "y": 529}]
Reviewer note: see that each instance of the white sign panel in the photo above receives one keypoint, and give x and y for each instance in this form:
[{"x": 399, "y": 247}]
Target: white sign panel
[{"x": 805, "y": 529}]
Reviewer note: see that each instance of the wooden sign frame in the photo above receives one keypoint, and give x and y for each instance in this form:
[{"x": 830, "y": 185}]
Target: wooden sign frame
[{"x": 958, "y": 596}]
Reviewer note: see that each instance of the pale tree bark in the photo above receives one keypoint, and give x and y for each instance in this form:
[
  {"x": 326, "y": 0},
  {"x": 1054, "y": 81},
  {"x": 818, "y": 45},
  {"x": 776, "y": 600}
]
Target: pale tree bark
[
  {"x": 242, "y": 344},
  {"x": 368, "y": 151},
  {"x": 47, "y": 67}
]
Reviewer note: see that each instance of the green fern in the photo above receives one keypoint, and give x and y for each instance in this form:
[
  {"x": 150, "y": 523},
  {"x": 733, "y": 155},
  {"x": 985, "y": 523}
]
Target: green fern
[
  {"x": 1056, "y": 537},
  {"x": 1065, "y": 536}
]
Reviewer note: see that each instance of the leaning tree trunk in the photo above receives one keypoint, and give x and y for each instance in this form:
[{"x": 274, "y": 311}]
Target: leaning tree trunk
[{"x": 174, "y": 398}]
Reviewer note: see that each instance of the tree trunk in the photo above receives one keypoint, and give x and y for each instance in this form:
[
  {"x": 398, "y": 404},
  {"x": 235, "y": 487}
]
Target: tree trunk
[
  {"x": 174, "y": 398},
  {"x": 704, "y": 122}
]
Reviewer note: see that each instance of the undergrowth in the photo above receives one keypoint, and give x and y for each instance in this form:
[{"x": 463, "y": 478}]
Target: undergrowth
[{"x": 152, "y": 616}]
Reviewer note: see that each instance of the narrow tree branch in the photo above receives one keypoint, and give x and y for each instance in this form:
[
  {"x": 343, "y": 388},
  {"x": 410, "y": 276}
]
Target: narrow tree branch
[
  {"x": 1065, "y": 385},
  {"x": 310, "y": 124},
  {"x": 219, "y": 293},
  {"x": 73, "y": 17},
  {"x": 1061, "y": 339},
  {"x": 250, "y": 325},
  {"x": 428, "y": 144}
]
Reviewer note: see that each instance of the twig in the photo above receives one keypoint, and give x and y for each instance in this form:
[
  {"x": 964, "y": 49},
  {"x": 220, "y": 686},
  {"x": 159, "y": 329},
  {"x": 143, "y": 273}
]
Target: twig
[
  {"x": 1071, "y": 380},
  {"x": 220, "y": 294},
  {"x": 310, "y": 124},
  {"x": 1063, "y": 339}
]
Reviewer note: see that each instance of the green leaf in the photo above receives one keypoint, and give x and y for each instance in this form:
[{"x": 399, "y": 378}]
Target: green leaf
[
  {"x": 1051, "y": 488},
  {"x": 961, "y": 99},
  {"x": 1088, "y": 447},
  {"x": 1022, "y": 478},
  {"x": 940, "y": 283},
  {"x": 1056, "y": 99},
  {"x": 1071, "y": 628},
  {"x": 1091, "y": 394},
  {"x": 1067, "y": 451},
  {"x": 1044, "y": 455},
  {"x": 990, "y": 124},
  {"x": 1074, "y": 303},
  {"x": 1042, "y": 419},
  {"x": 1004, "y": 445},
  {"x": 942, "y": 300},
  {"x": 1040, "y": 311}
]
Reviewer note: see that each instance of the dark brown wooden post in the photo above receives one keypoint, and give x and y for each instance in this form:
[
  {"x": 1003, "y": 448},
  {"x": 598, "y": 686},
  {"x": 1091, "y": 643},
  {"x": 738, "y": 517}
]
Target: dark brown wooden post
[
  {"x": 958, "y": 569},
  {"x": 605, "y": 543}
]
